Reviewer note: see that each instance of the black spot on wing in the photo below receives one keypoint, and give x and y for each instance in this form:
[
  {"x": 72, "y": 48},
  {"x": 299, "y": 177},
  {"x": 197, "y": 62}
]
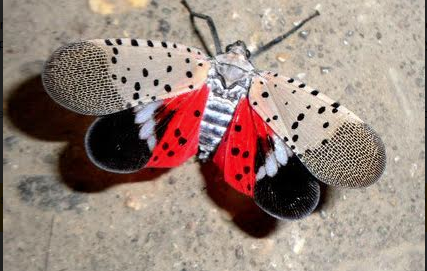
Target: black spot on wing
[
  {"x": 235, "y": 151},
  {"x": 315, "y": 92},
  {"x": 177, "y": 132},
  {"x": 294, "y": 125},
  {"x": 295, "y": 138},
  {"x": 134, "y": 42},
  {"x": 335, "y": 105},
  {"x": 165, "y": 146},
  {"x": 182, "y": 141},
  {"x": 144, "y": 72}
]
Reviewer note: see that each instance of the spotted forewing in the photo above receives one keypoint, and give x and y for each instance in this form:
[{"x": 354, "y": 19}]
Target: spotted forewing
[
  {"x": 331, "y": 141},
  {"x": 99, "y": 77}
]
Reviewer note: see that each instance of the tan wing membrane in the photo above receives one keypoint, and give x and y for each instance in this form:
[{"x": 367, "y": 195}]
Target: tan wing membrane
[
  {"x": 353, "y": 157},
  {"x": 333, "y": 143},
  {"x": 100, "y": 77}
]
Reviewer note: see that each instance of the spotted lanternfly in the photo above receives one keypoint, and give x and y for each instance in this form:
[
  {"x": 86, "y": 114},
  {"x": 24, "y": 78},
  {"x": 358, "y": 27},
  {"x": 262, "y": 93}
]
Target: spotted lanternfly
[{"x": 160, "y": 103}]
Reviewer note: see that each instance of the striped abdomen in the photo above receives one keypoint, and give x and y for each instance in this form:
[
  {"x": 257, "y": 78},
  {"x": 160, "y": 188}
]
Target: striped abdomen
[{"x": 217, "y": 115}]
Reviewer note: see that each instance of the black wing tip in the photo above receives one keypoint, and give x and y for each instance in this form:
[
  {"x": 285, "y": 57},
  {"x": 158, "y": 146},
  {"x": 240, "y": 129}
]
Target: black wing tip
[
  {"x": 293, "y": 193},
  {"x": 112, "y": 144}
]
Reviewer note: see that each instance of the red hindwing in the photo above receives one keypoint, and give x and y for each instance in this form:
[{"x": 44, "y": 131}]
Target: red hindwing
[
  {"x": 180, "y": 136},
  {"x": 237, "y": 151}
]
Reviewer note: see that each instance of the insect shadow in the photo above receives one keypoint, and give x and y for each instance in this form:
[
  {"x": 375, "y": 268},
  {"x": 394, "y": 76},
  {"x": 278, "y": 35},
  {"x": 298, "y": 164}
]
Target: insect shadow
[
  {"x": 242, "y": 209},
  {"x": 33, "y": 112}
]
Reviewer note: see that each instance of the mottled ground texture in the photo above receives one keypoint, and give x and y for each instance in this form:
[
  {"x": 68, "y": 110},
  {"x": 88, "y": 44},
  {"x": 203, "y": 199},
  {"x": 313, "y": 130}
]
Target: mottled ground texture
[{"x": 62, "y": 213}]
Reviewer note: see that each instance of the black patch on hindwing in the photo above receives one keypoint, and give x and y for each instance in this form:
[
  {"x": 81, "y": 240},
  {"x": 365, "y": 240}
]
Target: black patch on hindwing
[
  {"x": 112, "y": 143},
  {"x": 292, "y": 193}
]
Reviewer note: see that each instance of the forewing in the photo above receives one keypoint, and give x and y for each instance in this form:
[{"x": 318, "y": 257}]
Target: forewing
[
  {"x": 99, "y": 77},
  {"x": 331, "y": 141}
]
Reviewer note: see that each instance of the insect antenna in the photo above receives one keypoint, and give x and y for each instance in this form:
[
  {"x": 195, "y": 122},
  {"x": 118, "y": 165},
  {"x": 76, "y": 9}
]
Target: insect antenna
[
  {"x": 284, "y": 36},
  {"x": 211, "y": 25}
]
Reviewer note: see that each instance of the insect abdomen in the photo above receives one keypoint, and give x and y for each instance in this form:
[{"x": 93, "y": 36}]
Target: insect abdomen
[{"x": 216, "y": 118}]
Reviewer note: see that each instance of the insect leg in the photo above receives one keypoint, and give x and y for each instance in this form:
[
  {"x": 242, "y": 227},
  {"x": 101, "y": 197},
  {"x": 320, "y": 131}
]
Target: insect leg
[
  {"x": 211, "y": 25},
  {"x": 284, "y": 36}
]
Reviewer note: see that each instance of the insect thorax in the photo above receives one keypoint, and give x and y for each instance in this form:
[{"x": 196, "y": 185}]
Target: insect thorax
[{"x": 228, "y": 84}]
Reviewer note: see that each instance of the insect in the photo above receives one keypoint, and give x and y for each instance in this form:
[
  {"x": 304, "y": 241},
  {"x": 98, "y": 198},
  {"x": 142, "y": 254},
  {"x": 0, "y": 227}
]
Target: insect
[{"x": 160, "y": 103}]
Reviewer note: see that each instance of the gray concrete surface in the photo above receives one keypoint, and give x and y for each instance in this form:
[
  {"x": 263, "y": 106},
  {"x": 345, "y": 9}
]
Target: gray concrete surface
[{"x": 62, "y": 213}]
